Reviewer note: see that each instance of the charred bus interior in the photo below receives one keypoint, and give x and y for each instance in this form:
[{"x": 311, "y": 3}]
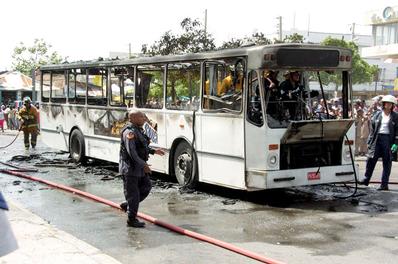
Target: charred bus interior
[{"x": 296, "y": 102}]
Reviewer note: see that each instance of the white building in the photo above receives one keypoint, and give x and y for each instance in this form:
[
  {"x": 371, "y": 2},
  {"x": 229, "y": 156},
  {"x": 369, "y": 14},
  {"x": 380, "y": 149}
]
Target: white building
[{"x": 384, "y": 24}]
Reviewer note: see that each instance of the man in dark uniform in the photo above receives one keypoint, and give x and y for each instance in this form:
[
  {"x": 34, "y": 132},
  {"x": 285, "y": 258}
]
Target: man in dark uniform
[
  {"x": 134, "y": 153},
  {"x": 8, "y": 242},
  {"x": 290, "y": 90}
]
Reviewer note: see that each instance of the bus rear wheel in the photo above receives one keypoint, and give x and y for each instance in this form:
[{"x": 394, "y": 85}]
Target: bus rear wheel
[
  {"x": 185, "y": 165},
  {"x": 76, "y": 147}
]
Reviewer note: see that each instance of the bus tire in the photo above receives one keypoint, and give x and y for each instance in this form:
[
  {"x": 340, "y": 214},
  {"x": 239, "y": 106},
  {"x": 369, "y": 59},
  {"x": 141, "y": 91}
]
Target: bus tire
[
  {"x": 76, "y": 147},
  {"x": 185, "y": 168}
]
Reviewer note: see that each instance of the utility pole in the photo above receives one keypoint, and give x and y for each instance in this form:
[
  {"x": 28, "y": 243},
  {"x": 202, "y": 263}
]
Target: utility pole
[
  {"x": 205, "y": 22},
  {"x": 279, "y": 27},
  {"x": 205, "y": 44},
  {"x": 352, "y": 31},
  {"x": 129, "y": 50}
]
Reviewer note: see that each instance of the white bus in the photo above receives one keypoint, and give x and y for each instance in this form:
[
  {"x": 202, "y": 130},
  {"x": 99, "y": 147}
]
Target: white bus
[{"x": 212, "y": 113}]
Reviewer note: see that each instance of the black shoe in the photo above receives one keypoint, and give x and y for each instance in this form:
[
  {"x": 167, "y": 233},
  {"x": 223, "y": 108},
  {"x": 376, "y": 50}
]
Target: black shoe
[
  {"x": 123, "y": 206},
  {"x": 135, "y": 223},
  {"x": 383, "y": 188},
  {"x": 363, "y": 182}
]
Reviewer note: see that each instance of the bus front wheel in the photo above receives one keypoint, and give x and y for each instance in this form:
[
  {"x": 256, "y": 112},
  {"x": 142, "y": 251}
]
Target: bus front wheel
[
  {"x": 185, "y": 165},
  {"x": 76, "y": 147}
]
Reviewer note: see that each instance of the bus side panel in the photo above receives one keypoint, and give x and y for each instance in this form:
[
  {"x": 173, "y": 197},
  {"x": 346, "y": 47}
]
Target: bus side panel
[
  {"x": 52, "y": 122},
  {"x": 156, "y": 130},
  {"x": 222, "y": 150},
  {"x": 179, "y": 126}
]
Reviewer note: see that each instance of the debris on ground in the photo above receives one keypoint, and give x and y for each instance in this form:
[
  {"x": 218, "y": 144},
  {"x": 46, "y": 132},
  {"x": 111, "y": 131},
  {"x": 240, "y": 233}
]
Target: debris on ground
[
  {"x": 16, "y": 182},
  {"x": 107, "y": 178},
  {"x": 229, "y": 201}
]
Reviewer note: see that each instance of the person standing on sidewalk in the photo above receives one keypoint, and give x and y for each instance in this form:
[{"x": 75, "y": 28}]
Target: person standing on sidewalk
[
  {"x": 7, "y": 239},
  {"x": 134, "y": 154},
  {"x": 382, "y": 141},
  {"x": 28, "y": 117},
  {"x": 2, "y": 118}
]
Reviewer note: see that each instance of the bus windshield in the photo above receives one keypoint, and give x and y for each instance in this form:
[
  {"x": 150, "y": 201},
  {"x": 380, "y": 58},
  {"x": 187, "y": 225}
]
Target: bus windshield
[{"x": 296, "y": 95}]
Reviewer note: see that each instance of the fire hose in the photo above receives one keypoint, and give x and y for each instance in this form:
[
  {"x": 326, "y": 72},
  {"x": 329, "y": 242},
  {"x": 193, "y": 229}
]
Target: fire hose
[
  {"x": 12, "y": 142},
  {"x": 151, "y": 219}
]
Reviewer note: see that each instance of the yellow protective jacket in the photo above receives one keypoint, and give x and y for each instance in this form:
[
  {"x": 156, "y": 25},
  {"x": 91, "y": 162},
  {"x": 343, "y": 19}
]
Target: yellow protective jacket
[{"x": 29, "y": 117}]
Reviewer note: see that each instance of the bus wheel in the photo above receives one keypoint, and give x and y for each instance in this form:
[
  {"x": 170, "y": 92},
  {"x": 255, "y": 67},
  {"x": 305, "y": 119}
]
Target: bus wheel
[
  {"x": 76, "y": 147},
  {"x": 185, "y": 168}
]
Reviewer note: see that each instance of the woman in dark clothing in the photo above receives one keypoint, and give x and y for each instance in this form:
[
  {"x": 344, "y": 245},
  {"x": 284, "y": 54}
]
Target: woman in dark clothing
[{"x": 382, "y": 141}]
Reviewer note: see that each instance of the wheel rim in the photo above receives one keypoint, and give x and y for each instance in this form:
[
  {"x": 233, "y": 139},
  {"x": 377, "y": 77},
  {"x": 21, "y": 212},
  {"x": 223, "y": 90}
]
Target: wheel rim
[
  {"x": 75, "y": 149},
  {"x": 183, "y": 166}
]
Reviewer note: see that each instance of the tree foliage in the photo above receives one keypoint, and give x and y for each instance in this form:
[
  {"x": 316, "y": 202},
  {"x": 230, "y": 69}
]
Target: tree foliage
[
  {"x": 257, "y": 38},
  {"x": 362, "y": 72},
  {"x": 294, "y": 38},
  {"x": 26, "y": 58},
  {"x": 193, "y": 39}
]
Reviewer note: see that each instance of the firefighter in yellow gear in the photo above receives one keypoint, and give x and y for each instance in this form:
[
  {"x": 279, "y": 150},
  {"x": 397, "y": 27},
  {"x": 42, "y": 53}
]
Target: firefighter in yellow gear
[{"x": 28, "y": 118}]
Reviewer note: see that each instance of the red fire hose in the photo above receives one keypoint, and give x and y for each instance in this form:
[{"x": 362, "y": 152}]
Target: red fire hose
[{"x": 151, "y": 219}]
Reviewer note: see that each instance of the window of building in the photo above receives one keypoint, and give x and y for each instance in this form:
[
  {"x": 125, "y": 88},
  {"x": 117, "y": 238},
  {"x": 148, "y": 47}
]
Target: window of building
[
  {"x": 223, "y": 86},
  {"x": 58, "y": 87},
  {"x": 149, "y": 89},
  {"x": 96, "y": 86},
  {"x": 183, "y": 86}
]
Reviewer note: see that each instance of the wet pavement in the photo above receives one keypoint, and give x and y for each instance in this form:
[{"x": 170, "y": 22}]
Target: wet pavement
[{"x": 298, "y": 225}]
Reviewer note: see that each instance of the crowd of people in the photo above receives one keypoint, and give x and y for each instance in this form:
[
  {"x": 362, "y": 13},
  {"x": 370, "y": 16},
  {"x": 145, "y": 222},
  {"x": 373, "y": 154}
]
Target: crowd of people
[
  {"x": 9, "y": 117},
  {"x": 362, "y": 112}
]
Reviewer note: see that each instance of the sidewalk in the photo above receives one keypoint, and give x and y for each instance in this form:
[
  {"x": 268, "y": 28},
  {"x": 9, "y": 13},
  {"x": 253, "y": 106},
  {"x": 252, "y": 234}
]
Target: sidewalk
[{"x": 42, "y": 243}]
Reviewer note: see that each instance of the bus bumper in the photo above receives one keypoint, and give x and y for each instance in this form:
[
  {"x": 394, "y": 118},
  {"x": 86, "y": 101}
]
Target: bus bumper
[{"x": 261, "y": 179}]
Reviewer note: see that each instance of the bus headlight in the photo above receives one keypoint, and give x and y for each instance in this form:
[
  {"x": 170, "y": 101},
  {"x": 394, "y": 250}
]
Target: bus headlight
[
  {"x": 272, "y": 160},
  {"x": 347, "y": 155}
]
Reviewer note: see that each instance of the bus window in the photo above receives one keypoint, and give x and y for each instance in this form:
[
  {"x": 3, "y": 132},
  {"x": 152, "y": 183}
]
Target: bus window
[
  {"x": 77, "y": 86},
  {"x": 58, "y": 87},
  {"x": 45, "y": 86},
  {"x": 223, "y": 85},
  {"x": 97, "y": 83},
  {"x": 71, "y": 86},
  {"x": 254, "y": 113},
  {"x": 128, "y": 86},
  {"x": 183, "y": 86},
  {"x": 149, "y": 91},
  {"x": 117, "y": 86}
]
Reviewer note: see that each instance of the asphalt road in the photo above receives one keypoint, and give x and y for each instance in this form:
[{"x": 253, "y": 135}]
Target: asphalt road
[{"x": 298, "y": 225}]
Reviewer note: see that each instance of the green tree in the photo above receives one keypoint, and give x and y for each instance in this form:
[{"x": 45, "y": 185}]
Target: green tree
[
  {"x": 362, "y": 72},
  {"x": 193, "y": 39},
  {"x": 27, "y": 58},
  {"x": 294, "y": 38},
  {"x": 257, "y": 38}
]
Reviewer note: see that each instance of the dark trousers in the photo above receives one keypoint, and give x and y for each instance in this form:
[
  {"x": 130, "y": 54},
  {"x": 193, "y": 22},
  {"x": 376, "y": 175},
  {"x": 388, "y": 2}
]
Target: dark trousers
[
  {"x": 136, "y": 189},
  {"x": 382, "y": 150},
  {"x": 33, "y": 133}
]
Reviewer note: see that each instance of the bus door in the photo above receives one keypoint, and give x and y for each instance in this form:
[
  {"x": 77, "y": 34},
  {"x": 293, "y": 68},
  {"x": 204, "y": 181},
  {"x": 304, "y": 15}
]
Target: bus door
[
  {"x": 255, "y": 132},
  {"x": 222, "y": 131}
]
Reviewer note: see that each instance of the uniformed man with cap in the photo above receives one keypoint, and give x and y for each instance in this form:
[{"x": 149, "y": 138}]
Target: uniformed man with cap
[
  {"x": 28, "y": 118},
  {"x": 134, "y": 154}
]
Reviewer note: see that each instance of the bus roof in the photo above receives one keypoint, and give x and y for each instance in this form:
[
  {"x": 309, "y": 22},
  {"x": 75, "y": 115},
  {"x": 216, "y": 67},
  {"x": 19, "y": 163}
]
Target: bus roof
[{"x": 254, "y": 52}]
